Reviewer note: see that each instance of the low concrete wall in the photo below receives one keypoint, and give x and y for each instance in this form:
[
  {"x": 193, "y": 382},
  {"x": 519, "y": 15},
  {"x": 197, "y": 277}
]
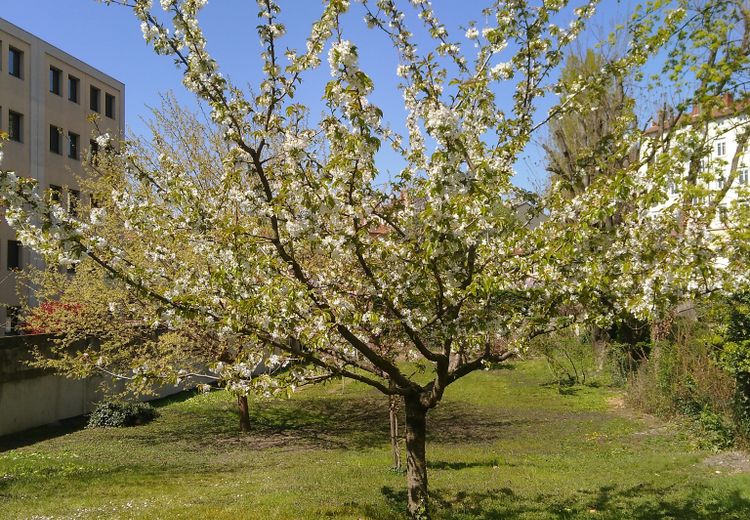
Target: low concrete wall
[{"x": 31, "y": 397}]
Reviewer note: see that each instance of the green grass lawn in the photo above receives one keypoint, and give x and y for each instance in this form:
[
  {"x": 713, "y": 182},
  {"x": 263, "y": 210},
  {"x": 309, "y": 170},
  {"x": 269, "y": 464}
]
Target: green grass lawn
[{"x": 503, "y": 444}]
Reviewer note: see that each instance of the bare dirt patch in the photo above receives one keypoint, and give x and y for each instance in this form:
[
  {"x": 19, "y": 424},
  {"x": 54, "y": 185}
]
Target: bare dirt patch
[
  {"x": 653, "y": 425},
  {"x": 729, "y": 462}
]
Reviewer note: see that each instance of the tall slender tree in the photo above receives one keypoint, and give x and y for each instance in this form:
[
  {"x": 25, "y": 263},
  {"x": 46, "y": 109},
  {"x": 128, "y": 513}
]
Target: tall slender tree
[
  {"x": 577, "y": 139},
  {"x": 574, "y": 147}
]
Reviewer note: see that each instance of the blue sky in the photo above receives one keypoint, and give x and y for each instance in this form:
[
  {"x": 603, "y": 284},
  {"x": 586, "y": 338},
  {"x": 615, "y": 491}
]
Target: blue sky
[{"x": 109, "y": 38}]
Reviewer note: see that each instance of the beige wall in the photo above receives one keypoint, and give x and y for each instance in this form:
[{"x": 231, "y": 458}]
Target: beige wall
[
  {"x": 31, "y": 397},
  {"x": 30, "y": 96}
]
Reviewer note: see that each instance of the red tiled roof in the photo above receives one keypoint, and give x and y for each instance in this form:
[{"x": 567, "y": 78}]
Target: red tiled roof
[{"x": 728, "y": 107}]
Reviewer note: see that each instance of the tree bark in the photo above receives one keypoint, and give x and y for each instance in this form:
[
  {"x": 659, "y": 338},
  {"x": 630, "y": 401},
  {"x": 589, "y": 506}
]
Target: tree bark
[
  {"x": 599, "y": 344},
  {"x": 416, "y": 465},
  {"x": 244, "y": 413},
  {"x": 393, "y": 416}
]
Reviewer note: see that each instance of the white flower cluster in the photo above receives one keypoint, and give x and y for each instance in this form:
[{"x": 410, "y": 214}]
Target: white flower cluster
[
  {"x": 502, "y": 71},
  {"x": 103, "y": 140},
  {"x": 472, "y": 33},
  {"x": 442, "y": 123},
  {"x": 342, "y": 54}
]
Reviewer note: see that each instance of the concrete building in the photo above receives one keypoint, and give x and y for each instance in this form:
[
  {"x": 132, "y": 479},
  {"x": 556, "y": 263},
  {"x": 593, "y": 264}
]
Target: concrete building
[{"x": 47, "y": 100}]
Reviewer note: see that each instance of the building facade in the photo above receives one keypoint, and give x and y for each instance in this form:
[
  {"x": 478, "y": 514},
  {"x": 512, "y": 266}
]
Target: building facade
[
  {"x": 725, "y": 169},
  {"x": 49, "y": 101}
]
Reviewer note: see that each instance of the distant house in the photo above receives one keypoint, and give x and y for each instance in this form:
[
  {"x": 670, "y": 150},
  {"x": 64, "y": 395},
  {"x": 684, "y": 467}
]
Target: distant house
[{"x": 725, "y": 168}]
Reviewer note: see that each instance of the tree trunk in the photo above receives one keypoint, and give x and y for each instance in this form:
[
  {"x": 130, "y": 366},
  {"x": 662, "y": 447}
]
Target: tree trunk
[
  {"x": 416, "y": 466},
  {"x": 660, "y": 330},
  {"x": 393, "y": 416},
  {"x": 244, "y": 413},
  {"x": 599, "y": 344}
]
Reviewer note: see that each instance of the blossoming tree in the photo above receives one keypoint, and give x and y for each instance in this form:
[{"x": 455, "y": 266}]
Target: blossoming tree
[{"x": 288, "y": 241}]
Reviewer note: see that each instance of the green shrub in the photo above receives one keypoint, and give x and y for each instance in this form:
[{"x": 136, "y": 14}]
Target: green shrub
[
  {"x": 734, "y": 356},
  {"x": 715, "y": 431},
  {"x": 117, "y": 414},
  {"x": 738, "y": 322},
  {"x": 569, "y": 358},
  {"x": 624, "y": 360}
]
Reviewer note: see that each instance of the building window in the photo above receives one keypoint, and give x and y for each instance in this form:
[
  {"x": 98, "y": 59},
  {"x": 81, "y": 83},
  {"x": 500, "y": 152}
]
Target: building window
[
  {"x": 15, "y": 62},
  {"x": 55, "y": 81},
  {"x": 73, "y": 140},
  {"x": 55, "y": 136},
  {"x": 15, "y": 126},
  {"x": 74, "y": 85},
  {"x": 55, "y": 193},
  {"x": 15, "y": 252},
  {"x": 94, "y": 95},
  {"x": 109, "y": 106},
  {"x": 12, "y": 314},
  {"x": 721, "y": 148},
  {"x": 93, "y": 151},
  {"x": 743, "y": 176},
  {"x": 720, "y": 181}
]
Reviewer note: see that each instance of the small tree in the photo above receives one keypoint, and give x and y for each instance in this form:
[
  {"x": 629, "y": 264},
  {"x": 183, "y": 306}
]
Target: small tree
[
  {"x": 579, "y": 140},
  {"x": 100, "y": 327},
  {"x": 287, "y": 241}
]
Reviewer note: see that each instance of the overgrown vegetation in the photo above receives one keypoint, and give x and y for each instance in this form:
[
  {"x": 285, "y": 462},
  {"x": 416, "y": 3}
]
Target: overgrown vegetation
[
  {"x": 735, "y": 357},
  {"x": 701, "y": 371},
  {"x": 570, "y": 358}
]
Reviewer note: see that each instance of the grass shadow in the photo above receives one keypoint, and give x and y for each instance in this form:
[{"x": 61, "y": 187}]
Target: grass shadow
[
  {"x": 42, "y": 433},
  {"x": 66, "y": 426},
  {"x": 179, "y": 397},
  {"x": 454, "y": 422},
  {"x": 640, "y": 502},
  {"x": 445, "y": 465},
  {"x": 335, "y": 423},
  {"x": 341, "y": 422}
]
